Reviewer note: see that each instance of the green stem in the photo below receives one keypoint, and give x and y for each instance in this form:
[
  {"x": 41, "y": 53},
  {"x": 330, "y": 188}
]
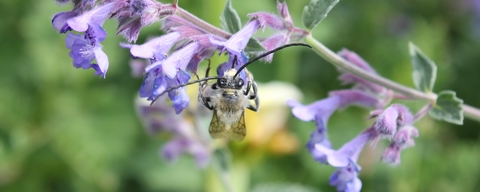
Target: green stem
[
  {"x": 201, "y": 123},
  {"x": 330, "y": 56},
  {"x": 422, "y": 112},
  {"x": 223, "y": 175},
  {"x": 202, "y": 24},
  {"x": 469, "y": 111}
]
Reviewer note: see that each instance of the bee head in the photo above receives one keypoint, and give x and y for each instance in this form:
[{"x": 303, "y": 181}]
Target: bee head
[{"x": 230, "y": 81}]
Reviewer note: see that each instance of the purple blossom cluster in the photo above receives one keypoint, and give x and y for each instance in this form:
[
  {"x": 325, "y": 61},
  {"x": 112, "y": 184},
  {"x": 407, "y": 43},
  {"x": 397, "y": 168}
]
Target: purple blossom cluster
[
  {"x": 393, "y": 123},
  {"x": 168, "y": 60},
  {"x": 159, "y": 117},
  {"x": 173, "y": 57}
]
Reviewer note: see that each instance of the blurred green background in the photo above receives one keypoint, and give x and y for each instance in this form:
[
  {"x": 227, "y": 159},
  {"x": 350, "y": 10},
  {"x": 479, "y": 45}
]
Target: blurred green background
[{"x": 63, "y": 129}]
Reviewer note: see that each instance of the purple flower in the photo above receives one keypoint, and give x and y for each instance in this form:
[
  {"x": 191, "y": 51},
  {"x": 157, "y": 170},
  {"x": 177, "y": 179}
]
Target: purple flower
[
  {"x": 237, "y": 42},
  {"x": 85, "y": 48},
  {"x": 349, "y": 151},
  {"x": 391, "y": 155},
  {"x": 273, "y": 42},
  {"x": 154, "y": 49},
  {"x": 346, "y": 179},
  {"x": 319, "y": 111},
  {"x": 319, "y": 137},
  {"x": 233, "y": 60},
  {"x": 337, "y": 100},
  {"x": 59, "y": 21},
  {"x": 174, "y": 148},
  {"x": 161, "y": 117},
  {"x": 403, "y": 139},
  {"x": 284, "y": 13},
  {"x": 178, "y": 96},
  {"x": 394, "y": 116},
  {"x": 156, "y": 82},
  {"x": 134, "y": 14},
  {"x": 356, "y": 97},
  {"x": 268, "y": 19},
  {"x": 96, "y": 16},
  {"x": 386, "y": 124},
  {"x": 323, "y": 109},
  {"x": 177, "y": 61},
  {"x": 153, "y": 84}
]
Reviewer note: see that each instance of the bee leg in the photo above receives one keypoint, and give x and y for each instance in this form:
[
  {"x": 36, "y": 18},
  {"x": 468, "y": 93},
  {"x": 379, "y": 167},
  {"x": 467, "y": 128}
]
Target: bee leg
[
  {"x": 254, "y": 97},
  {"x": 208, "y": 69},
  {"x": 214, "y": 86},
  {"x": 206, "y": 102},
  {"x": 253, "y": 108},
  {"x": 247, "y": 90},
  {"x": 255, "y": 91}
]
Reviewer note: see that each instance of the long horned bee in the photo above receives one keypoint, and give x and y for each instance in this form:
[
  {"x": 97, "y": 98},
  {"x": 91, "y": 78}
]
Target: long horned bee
[{"x": 229, "y": 97}]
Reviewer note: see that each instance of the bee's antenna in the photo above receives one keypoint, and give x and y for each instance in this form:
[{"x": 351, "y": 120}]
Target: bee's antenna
[
  {"x": 268, "y": 53},
  {"x": 183, "y": 85}
]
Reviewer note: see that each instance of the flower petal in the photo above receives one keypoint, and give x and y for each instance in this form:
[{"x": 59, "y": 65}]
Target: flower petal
[
  {"x": 97, "y": 16},
  {"x": 102, "y": 60},
  {"x": 236, "y": 44},
  {"x": 59, "y": 21},
  {"x": 160, "y": 44}
]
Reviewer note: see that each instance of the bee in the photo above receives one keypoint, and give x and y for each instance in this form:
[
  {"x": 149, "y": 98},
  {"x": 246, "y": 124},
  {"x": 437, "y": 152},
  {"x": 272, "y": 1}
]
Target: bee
[{"x": 229, "y": 97}]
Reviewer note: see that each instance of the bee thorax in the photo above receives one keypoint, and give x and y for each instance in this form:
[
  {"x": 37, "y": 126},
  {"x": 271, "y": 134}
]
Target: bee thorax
[{"x": 230, "y": 109}]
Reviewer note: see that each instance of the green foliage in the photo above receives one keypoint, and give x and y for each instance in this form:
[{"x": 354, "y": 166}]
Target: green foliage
[
  {"x": 230, "y": 21},
  {"x": 424, "y": 70},
  {"x": 254, "y": 45},
  {"x": 448, "y": 108},
  {"x": 64, "y": 129},
  {"x": 316, "y": 11},
  {"x": 223, "y": 159}
]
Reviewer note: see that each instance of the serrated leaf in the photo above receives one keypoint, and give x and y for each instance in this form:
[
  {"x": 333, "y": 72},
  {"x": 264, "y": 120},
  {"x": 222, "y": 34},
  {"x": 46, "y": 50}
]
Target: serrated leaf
[
  {"x": 254, "y": 45},
  {"x": 315, "y": 11},
  {"x": 230, "y": 21},
  {"x": 424, "y": 70},
  {"x": 448, "y": 108}
]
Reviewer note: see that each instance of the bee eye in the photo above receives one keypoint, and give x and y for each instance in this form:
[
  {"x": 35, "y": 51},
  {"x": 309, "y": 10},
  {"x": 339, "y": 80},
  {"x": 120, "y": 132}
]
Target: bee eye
[
  {"x": 240, "y": 82},
  {"x": 222, "y": 82}
]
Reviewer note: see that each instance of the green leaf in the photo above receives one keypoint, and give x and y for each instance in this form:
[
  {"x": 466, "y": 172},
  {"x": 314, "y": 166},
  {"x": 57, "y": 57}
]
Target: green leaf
[
  {"x": 230, "y": 21},
  {"x": 315, "y": 11},
  {"x": 223, "y": 158},
  {"x": 254, "y": 45},
  {"x": 424, "y": 70},
  {"x": 448, "y": 108}
]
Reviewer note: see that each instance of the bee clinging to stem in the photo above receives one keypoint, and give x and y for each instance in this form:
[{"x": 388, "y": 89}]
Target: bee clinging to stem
[{"x": 229, "y": 97}]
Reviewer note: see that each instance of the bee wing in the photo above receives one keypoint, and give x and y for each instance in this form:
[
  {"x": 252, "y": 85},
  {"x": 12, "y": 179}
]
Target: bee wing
[
  {"x": 238, "y": 130},
  {"x": 217, "y": 128}
]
